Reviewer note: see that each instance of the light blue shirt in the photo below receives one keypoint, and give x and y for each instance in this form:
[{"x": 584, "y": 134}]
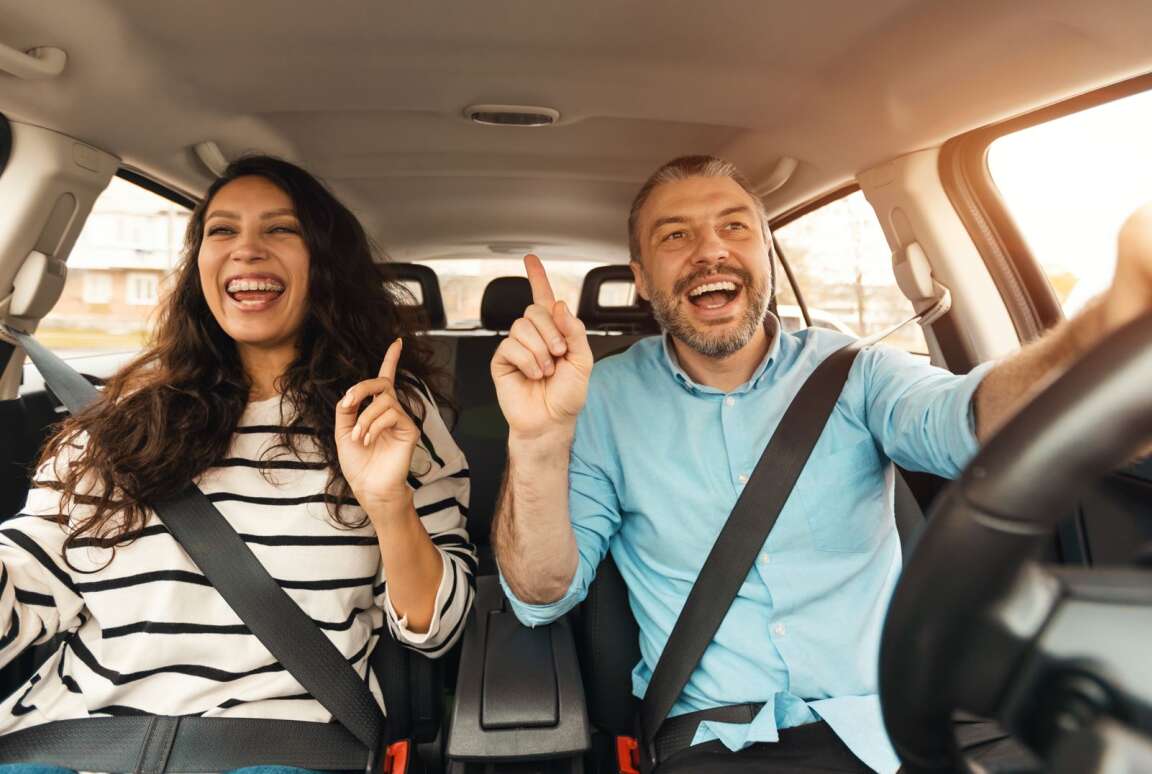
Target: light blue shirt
[{"x": 657, "y": 465}]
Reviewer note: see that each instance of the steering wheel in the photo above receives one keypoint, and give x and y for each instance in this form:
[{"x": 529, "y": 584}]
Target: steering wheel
[{"x": 1061, "y": 657}]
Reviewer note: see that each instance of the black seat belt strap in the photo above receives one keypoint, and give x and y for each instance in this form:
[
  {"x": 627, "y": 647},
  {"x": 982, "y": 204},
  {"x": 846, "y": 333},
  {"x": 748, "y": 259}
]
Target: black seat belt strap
[
  {"x": 190, "y": 744},
  {"x": 741, "y": 540},
  {"x": 234, "y": 571},
  {"x": 276, "y": 620},
  {"x": 72, "y": 389}
]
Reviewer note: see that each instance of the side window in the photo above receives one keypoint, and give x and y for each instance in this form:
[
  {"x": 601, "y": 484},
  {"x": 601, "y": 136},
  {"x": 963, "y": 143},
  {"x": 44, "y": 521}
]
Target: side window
[
  {"x": 843, "y": 268},
  {"x": 1069, "y": 184},
  {"x": 117, "y": 272}
]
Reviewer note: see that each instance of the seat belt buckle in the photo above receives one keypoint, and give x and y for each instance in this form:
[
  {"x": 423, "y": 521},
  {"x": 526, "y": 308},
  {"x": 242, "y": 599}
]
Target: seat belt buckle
[
  {"x": 395, "y": 760},
  {"x": 627, "y": 755}
]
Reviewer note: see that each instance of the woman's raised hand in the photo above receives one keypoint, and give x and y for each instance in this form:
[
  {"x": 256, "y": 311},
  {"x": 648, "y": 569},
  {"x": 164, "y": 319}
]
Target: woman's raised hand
[{"x": 375, "y": 442}]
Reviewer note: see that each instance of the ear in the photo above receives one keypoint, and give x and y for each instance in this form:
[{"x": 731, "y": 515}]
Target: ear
[{"x": 638, "y": 279}]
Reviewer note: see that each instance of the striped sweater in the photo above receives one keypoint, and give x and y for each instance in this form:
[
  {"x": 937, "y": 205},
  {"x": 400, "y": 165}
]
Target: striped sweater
[{"x": 146, "y": 633}]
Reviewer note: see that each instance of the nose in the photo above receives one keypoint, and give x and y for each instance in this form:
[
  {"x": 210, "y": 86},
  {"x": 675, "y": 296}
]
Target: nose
[
  {"x": 710, "y": 250},
  {"x": 249, "y": 248}
]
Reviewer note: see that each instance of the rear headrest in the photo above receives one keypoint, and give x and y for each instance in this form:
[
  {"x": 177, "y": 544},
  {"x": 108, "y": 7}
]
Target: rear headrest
[
  {"x": 505, "y": 300},
  {"x": 421, "y": 282},
  {"x": 635, "y": 317}
]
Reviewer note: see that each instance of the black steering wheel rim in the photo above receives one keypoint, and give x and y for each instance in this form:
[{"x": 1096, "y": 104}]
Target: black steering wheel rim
[{"x": 985, "y": 530}]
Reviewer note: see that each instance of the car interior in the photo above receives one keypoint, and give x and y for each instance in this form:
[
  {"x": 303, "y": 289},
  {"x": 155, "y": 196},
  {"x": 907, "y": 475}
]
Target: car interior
[{"x": 464, "y": 135}]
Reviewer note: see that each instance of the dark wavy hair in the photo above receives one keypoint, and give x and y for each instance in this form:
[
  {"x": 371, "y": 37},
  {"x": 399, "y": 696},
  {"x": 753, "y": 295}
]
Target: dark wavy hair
[{"x": 170, "y": 414}]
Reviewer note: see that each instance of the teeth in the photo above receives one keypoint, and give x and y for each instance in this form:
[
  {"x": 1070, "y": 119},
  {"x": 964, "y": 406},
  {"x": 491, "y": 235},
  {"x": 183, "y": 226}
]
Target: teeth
[
  {"x": 241, "y": 285},
  {"x": 712, "y": 287}
]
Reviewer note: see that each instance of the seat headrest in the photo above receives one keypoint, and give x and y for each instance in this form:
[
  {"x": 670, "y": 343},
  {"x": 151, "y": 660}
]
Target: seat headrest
[
  {"x": 421, "y": 282},
  {"x": 634, "y": 317},
  {"x": 505, "y": 299}
]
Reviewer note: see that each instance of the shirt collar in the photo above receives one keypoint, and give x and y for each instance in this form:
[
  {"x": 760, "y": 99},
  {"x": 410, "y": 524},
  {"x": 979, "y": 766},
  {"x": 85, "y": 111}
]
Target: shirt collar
[{"x": 672, "y": 363}]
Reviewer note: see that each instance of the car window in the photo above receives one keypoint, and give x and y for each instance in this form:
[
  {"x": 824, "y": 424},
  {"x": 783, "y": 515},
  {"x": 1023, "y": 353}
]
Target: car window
[
  {"x": 117, "y": 272},
  {"x": 843, "y": 267},
  {"x": 462, "y": 282},
  {"x": 1070, "y": 182}
]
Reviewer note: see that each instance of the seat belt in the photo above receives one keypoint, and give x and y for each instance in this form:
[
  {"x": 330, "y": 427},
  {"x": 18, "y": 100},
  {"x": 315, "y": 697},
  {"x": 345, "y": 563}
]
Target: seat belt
[
  {"x": 72, "y": 389},
  {"x": 740, "y": 542},
  {"x": 244, "y": 583}
]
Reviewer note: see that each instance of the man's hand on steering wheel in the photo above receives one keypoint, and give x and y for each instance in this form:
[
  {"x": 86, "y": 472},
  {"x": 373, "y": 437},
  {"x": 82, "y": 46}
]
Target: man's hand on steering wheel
[{"x": 1130, "y": 294}]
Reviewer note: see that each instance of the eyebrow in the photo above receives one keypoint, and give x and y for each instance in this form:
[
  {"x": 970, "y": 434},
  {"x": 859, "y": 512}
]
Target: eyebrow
[
  {"x": 263, "y": 215},
  {"x": 743, "y": 208},
  {"x": 665, "y": 221},
  {"x": 683, "y": 219}
]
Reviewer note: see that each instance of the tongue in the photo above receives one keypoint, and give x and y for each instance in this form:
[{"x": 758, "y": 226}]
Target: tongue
[{"x": 713, "y": 300}]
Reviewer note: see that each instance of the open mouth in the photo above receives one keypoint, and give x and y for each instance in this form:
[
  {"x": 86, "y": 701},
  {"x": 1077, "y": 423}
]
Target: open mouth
[
  {"x": 712, "y": 296},
  {"x": 254, "y": 294}
]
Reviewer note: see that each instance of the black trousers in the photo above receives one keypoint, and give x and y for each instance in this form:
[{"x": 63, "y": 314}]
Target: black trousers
[{"x": 814, "y": 747}]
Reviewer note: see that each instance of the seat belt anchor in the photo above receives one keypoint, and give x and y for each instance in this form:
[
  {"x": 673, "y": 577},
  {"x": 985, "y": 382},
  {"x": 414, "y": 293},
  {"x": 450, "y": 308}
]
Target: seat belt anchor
[
  {"x": 394, "y": 760},
  {"x": 627, "y": 755}
]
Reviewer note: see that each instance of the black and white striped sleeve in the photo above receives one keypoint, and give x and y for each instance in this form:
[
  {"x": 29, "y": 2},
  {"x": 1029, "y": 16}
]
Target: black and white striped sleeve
[
  {"x": 38, "y": 597},
  {"x": 441, "y": 485}
]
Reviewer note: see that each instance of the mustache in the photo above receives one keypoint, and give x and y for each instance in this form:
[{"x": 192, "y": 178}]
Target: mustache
[{"x": 687, "y": 281}]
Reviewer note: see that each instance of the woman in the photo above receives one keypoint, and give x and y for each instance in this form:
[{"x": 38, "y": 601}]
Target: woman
[{"x": 284, "y": 382}]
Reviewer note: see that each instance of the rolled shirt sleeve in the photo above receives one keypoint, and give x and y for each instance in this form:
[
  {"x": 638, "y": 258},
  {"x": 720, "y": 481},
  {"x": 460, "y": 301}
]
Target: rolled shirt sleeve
[
  {"x": 441, "y": 500},
  {"x": 920, "y": 415}
]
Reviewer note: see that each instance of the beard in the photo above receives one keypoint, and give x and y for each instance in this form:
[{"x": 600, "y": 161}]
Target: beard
[{"x": 666, "y": 308}]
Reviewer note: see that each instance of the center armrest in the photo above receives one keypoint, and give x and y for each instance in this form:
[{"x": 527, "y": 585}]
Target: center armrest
[
  {"x": 519, "y": 688},
  {"x": 519, "y": 693}
]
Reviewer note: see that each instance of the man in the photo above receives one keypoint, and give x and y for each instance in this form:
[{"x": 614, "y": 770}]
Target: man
[{"x": 652, "y": 465}]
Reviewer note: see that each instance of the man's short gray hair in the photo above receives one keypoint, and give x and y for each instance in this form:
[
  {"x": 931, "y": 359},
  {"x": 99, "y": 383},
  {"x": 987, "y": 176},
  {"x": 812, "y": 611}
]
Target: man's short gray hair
[{"x": 683, "y": 168}]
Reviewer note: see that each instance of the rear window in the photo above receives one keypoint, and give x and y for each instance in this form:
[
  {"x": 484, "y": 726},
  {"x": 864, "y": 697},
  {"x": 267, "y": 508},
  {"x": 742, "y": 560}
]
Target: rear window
[{"x": 462, "y": 282}]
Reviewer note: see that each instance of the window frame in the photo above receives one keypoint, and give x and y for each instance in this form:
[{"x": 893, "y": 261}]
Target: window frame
[
  {"x": 160, "y": 189},
  {"x": 5, "y": 142},
  {"x": 1023, "y": 284}
]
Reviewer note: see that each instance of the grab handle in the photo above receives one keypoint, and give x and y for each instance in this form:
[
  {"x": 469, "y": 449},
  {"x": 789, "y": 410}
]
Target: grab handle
[{"x": 34, "y": 64}]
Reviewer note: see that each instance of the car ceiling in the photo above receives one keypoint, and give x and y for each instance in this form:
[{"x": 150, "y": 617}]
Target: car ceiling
[{"x": 369, "y": 95}]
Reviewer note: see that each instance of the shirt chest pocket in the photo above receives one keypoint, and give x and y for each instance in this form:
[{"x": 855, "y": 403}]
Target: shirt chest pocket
[{"x": 845, "y": 499}]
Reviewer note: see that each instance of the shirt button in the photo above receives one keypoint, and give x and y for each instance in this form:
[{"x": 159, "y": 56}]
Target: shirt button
[
  {"x": 729, "y": 401},
  {"x": 778, "y": 630},
  {"x": 742, "y": 478},
  {"x": 764, "y": 558}
]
